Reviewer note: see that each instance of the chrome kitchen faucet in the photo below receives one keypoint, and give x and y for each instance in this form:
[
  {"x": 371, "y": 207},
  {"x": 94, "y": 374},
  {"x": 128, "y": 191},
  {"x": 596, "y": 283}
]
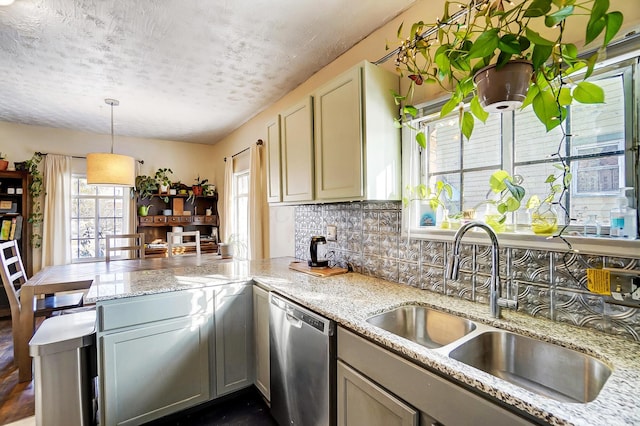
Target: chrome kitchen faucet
[{"x": 496, "y": 302}]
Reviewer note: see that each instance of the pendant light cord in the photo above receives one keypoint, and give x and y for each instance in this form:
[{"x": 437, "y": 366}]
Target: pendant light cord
[{"x": 112, "y": 102}]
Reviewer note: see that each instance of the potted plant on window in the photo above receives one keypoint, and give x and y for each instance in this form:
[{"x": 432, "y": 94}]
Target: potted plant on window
[
  {"x": 544, "y": 217},
  {"x": 431, "y": 200},
  {"x": 462, "y": 51},
  {"x": 505, "y": 196}
]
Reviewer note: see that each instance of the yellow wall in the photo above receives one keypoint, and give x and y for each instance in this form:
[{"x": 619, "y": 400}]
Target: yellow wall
[{"x": 371, "y": 48}]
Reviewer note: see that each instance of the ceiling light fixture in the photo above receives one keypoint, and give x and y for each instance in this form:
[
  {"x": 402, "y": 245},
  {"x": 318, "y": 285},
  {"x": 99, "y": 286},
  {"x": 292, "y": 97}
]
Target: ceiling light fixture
[
  {"x": 6, "y": 2},
  {"x": 110, "y": 169}
]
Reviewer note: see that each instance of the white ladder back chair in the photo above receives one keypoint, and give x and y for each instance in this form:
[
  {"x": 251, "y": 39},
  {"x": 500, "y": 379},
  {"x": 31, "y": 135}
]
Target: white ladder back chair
[
  {"x": 176, "y": 242},
  {"x": 125, "y": 242},
  {"x": 13, "y": 277}
]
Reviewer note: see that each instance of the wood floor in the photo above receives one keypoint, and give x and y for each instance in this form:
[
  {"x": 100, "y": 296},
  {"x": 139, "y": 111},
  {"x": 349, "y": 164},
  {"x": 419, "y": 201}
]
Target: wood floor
[{"x": 16, "y": 399}]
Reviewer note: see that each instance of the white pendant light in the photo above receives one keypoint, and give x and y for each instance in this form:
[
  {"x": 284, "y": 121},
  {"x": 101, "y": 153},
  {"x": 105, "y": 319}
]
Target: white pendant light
[
  {"x": 111, "y": 169},
  {"x": 6, "y": 2}
]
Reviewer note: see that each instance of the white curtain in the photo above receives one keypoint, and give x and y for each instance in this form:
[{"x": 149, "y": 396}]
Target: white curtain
[
  {"x": 227, "y": 218},
  {"x": 257, "y": 204},
  {"x": 56, "y": 249}
]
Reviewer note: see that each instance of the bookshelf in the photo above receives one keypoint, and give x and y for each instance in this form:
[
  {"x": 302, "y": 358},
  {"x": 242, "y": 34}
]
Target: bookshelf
[{"x": 15, "y": 208}]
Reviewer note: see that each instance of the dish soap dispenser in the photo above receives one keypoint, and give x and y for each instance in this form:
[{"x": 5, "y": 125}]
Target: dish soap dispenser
[{"x": 624, "y": 222}]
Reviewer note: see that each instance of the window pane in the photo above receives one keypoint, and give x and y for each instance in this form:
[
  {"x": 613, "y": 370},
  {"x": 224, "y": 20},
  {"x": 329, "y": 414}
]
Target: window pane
[
  {"x": 534, "y": 182},
  {"x": 484, "y": 147},
  {"x": 87, "y": 207},
  {"x": 453, "y": 179},
  {"x": 105, "y": 190},
  {"x": 599, "y": 128},
  {"x": 84, "y": 189},
  {"x": 106, "y": 208},
  {"x": 476, "y": 187},
  {"x": 444, "y": 145},
  {"x": 87, "y": 249},
  {"x": 87, "y": 228},
  {"x": 532, "y": 141}
]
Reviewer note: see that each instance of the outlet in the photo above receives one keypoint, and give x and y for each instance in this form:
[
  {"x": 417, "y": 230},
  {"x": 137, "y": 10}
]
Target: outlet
[{"x": 332, "y": 233}]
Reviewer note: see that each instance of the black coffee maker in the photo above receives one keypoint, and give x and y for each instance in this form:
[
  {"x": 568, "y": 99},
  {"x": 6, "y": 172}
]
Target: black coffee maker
[{"x": 318, "y": 250}]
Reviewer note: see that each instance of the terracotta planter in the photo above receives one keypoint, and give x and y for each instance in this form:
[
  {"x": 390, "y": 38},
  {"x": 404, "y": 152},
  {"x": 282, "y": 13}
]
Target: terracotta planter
[
  {"x": 503, "y": 89},
  {"x": 4, "y": 164},
  {"x": 197, "y": 190}
]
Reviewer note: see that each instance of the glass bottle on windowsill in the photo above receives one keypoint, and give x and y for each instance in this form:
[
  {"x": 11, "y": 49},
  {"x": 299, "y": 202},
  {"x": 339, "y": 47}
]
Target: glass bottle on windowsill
[{"x": 592, "y": 227}]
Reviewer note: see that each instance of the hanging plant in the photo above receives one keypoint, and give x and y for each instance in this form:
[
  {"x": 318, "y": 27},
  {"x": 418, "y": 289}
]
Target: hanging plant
[
  {"x": 456, "y": 49},
  {"x": 35, "y": 190}
]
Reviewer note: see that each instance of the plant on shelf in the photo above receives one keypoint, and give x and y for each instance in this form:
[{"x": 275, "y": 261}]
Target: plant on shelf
[
  {"x": 146, "y": 186},
  {"x": 461, "y": 49},
  {"x": 544, "y": 218},
  {"x": 163, "y": 180},
  {"x": 3, "y": 161},
  {"x": 197, "y": 187},
  {"x": 35, "y": 190}
]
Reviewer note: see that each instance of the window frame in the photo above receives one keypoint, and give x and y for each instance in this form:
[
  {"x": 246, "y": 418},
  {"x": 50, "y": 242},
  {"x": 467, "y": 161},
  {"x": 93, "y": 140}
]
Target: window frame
[
  {"x": 97, "y": 239},
  {"x": 628, "y": 67}
]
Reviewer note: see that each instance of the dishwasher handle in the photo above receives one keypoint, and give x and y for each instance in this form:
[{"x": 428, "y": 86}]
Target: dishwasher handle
[
  {"x": 295, "y": 322},
  {"x": 299, "y": 316}
]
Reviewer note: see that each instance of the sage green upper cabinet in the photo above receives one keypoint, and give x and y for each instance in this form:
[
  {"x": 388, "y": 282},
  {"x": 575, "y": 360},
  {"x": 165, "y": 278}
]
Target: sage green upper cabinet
[
  {"x": 274, "y": 183},
  {"x": 297, "y": 152},
  {"x": 357, "y": 146}
]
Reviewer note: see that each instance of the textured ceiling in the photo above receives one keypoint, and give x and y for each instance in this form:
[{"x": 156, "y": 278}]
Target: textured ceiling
[{"x": 191, "y": 70}]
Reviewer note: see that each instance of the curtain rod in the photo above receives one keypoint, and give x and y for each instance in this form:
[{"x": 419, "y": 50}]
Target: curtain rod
[
  {"x": 259, "y": 142},
  {"x": 434, "y": 29},
  {"x": 74, "y": 156}
]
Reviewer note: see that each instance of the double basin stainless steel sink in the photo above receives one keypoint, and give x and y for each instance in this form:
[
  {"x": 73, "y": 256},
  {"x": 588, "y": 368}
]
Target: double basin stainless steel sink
[{"x": 540, "y": 367}]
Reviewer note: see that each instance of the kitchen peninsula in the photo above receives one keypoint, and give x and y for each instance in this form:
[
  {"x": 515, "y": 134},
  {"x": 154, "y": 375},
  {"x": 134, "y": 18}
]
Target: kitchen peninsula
[{"x": 349, "y": 300}]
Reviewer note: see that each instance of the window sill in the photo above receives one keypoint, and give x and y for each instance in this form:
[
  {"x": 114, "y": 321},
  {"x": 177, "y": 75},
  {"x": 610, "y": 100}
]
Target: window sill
[{"x": 603, "y": 246}]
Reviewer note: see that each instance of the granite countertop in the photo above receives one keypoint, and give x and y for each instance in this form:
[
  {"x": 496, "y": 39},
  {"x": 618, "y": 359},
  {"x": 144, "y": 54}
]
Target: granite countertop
[{"x": 350, "y": 299}]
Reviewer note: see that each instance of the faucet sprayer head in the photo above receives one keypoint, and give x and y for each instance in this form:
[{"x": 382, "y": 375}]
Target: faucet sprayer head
[{"x": 454, "y": 267}]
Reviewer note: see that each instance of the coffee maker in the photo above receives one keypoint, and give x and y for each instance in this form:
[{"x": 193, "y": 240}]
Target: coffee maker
[{"x": 318, "y": 251}]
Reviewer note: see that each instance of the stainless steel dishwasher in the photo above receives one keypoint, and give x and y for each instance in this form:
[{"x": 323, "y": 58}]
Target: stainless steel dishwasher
[{"x": 303, "y": 365}]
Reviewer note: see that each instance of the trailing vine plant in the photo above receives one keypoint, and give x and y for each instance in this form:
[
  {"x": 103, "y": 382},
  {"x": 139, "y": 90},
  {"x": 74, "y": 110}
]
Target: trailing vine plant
[{"x": 36, "y": 190}]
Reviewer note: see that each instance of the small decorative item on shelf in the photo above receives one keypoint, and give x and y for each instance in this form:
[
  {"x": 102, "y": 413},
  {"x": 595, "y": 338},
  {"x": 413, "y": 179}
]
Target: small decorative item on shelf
[
  {"x": 209, "y": 190},
  {"x": 143, "y": 210},
  {"x": 3, "y": 163},
  {"x": 20, "y": 166}
]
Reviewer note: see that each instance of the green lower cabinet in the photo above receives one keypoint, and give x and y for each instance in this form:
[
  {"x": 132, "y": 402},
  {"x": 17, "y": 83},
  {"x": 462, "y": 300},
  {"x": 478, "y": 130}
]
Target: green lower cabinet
[
  {"x": 378, "y": 387},
  {"x": 155, "y": 370},
  {"x": 362, "y": 402},
  {"x": 234, "y": 360}
]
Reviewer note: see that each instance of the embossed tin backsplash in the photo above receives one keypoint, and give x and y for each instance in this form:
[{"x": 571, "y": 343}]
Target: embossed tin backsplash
[{"x": 548, "y": 284}]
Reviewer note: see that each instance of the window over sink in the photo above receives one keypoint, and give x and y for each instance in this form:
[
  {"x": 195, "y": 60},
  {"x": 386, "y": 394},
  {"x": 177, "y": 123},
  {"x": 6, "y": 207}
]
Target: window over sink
[{"x": 600, "y": 148}]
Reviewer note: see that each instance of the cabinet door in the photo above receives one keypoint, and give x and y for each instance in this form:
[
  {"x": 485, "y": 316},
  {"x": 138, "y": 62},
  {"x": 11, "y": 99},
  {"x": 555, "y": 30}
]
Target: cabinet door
[
  {"x": 261, "y": 332},
  {"x": 362, "y": 402},
  {"x": 154, "y": 370},
  {"x": 297, "y": 152},
  {"x": 274, "y": 184},
  {"x": 234, "y": 337},
  {"x": 338, "y": 138}
]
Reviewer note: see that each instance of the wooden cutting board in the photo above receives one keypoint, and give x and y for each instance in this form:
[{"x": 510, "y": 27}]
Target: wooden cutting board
[{"x": 317, "y": 272}]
